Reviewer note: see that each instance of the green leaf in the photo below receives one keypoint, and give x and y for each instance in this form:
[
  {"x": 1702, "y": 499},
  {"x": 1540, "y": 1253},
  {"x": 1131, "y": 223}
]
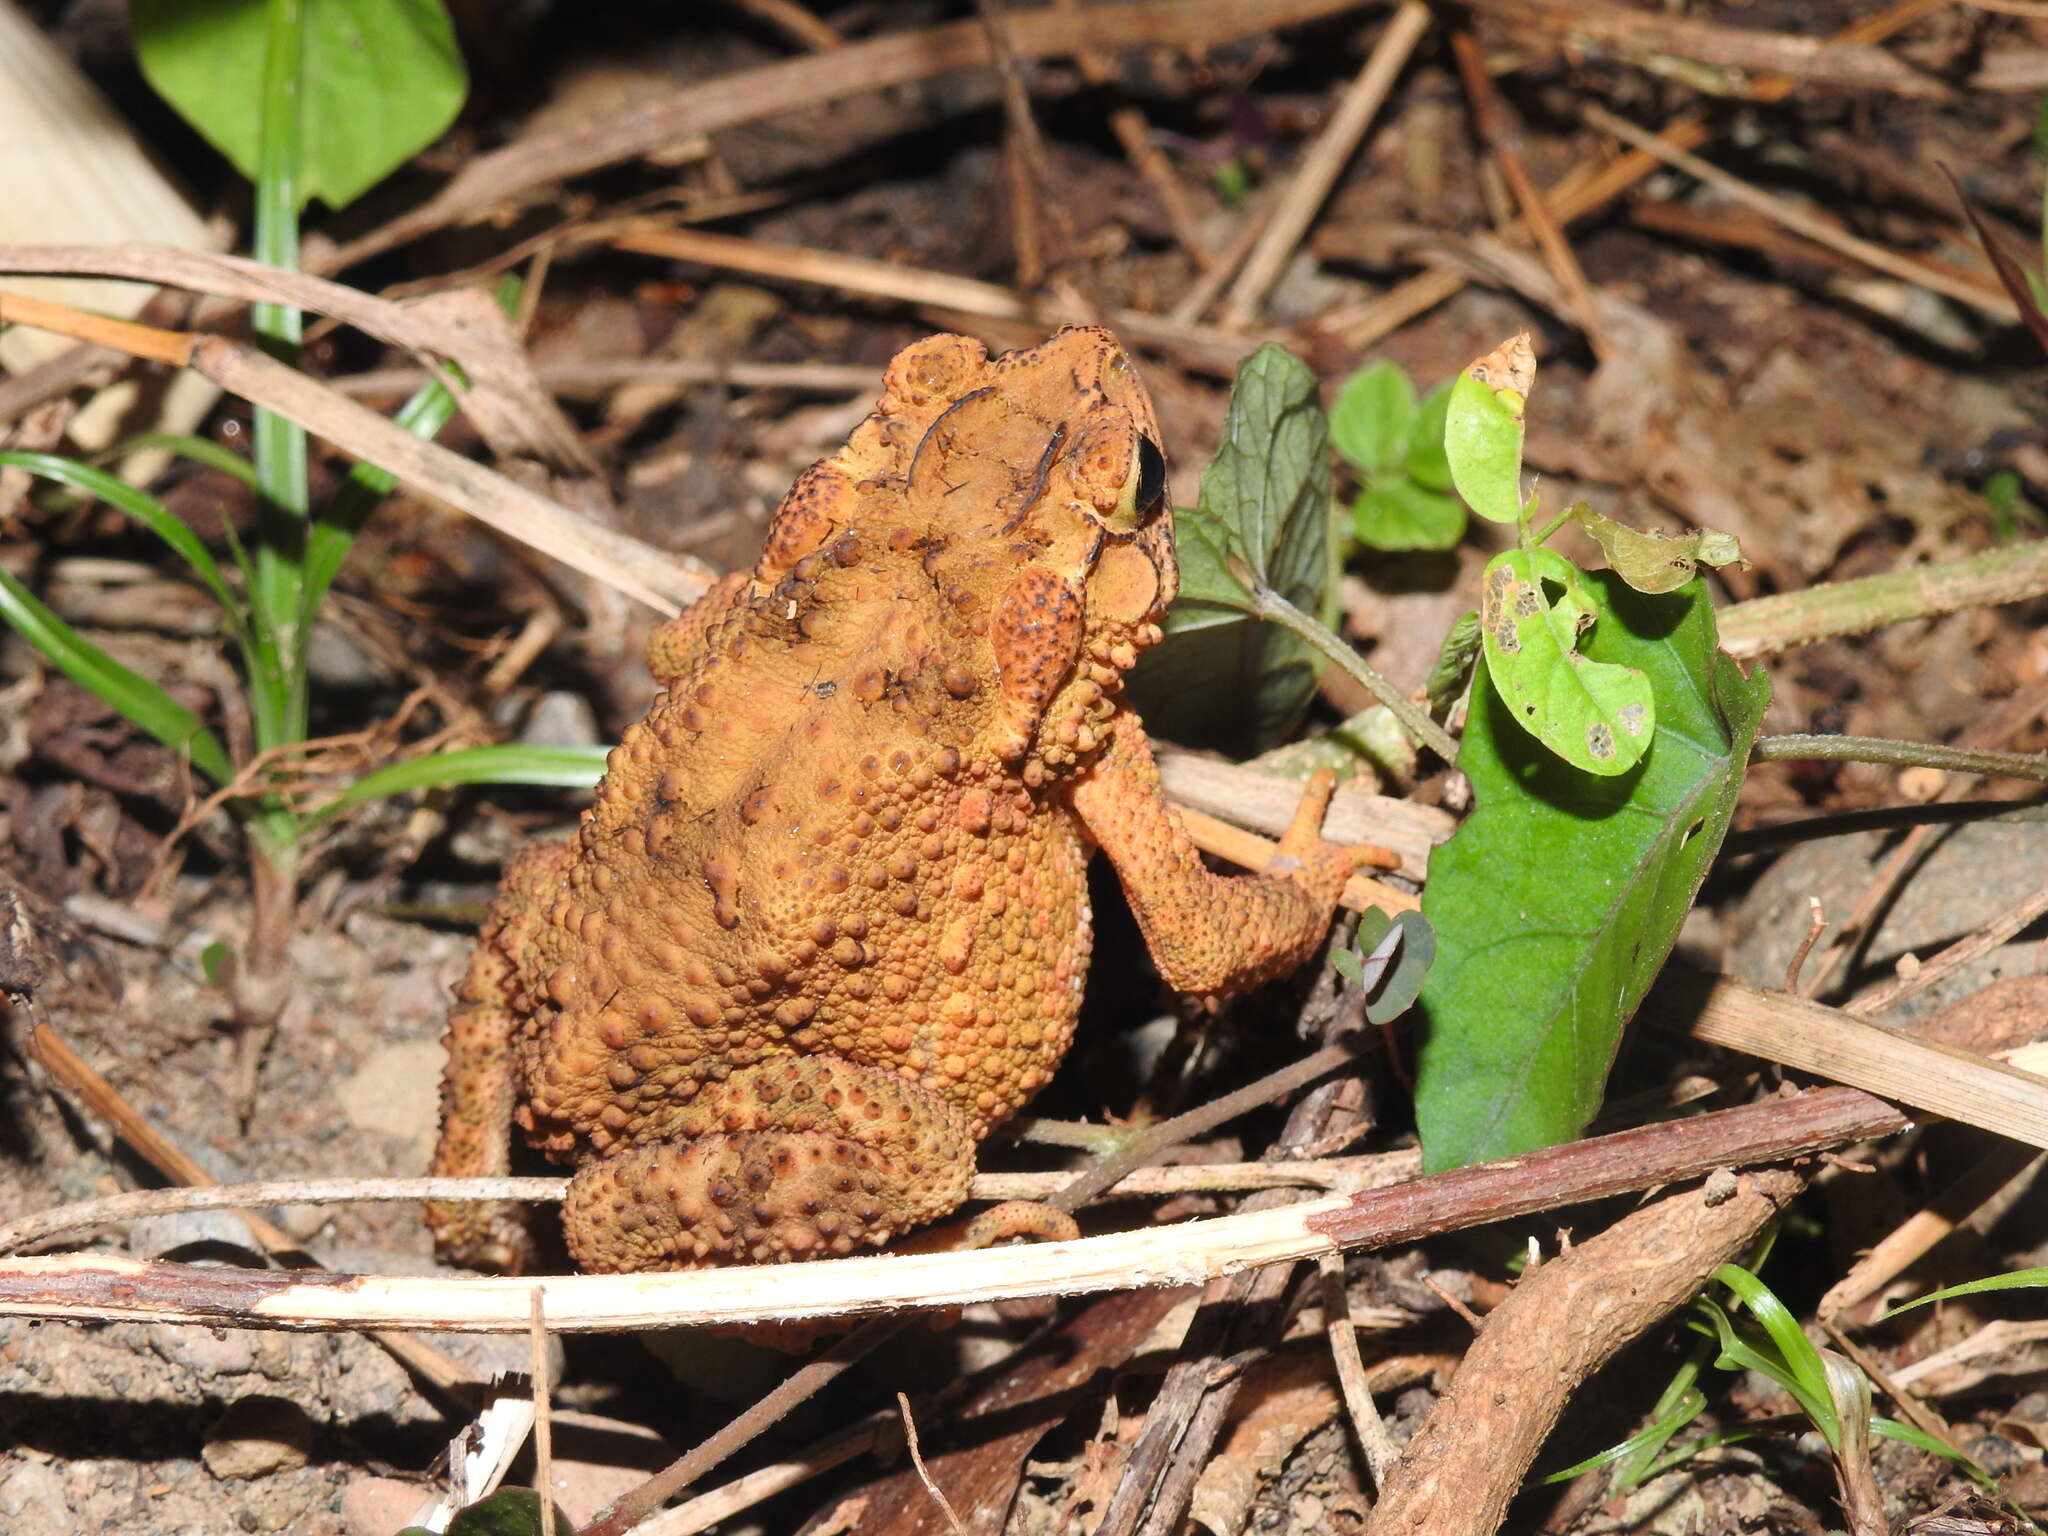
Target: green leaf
[
  {"x": 508, "y": 1512},
  {"x": 1534, "y": 606},
  {"x": 1656, "y": 562},
  {"x": 201, "y": 450},
  {"x": 1799, "y": 1368},
  {"x": 1403, "y": 981},
  {"x": 2016, "y": 1280},
  {"x": 141, "y": 506},
  {"x": 213, "y": 963},
  {"x": 1556, "y": 902},
  {"x": 382, "y": 80},
  {"x": 507, "y": 763},
  {"x": 1428, "y": 463},
  {"x": 1396, "y": 513},
  {"x": 1222, "y": 678},
  {"x": 134, "y": 696},
  {"x": 1371, "y": 422},
  {"x": 1453, "y": 666},
  {"x": 1483, "y": 429}
]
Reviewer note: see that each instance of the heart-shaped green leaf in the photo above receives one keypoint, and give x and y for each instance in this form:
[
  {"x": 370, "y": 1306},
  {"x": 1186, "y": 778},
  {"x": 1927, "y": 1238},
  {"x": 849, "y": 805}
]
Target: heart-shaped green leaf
[{"x": 380, "y": 80}]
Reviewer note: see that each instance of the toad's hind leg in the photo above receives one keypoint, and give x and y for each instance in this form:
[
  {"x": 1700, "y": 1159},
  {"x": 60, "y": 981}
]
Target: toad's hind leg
[
  {"x": 798, "y": 1157},
  {"x": 477, "y": 1086}
]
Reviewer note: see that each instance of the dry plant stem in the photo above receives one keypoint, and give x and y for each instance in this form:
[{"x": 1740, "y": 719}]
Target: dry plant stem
[
  {"x": 1373, "y": 1437},
  {"x": 1239, "y": 1318},
  {"x": 799, "y": 1387},
  {"x": 1814, "y": 60},
  {"x": 1810, "y": 1037},
  {"x": 1984, "y": 295},
  {"x": 98, "y": 1287},
  {"x": 1912, "y": 1239},
  {"x": 1205, "y": 290},
  {"x": 1959, "y": 954},
  {"x": 917, "y": 1461},
  {"x": 433, "y": 1366},
  {"x": 746, "y": 1491},
  {"x": 663, "y": 581},
  {"x": 1344, "y": 1174},
  {"x": 751, "y": 95},
  {"x": 1501, "y": 134},
  {"x": 1154, "y": 1140},
  {"x": 1901, "y": 754},
  {"x": 1560, "y": 1324},
  {"x": 1024, "y": 152},
  {"x": 792, "y": 21},
  {"x": 1581, "y": 192},
  {"x": 1324, "y": 162},
  {"x": 585, "y": 374},
  {"x": 1816, "y": 925},
  {"x": 543, "y": 1413},
  {"x": 943, "y": 291}
]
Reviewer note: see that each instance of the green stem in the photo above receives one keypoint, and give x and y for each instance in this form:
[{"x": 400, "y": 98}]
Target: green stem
[
  {"x": 1766, "y": 625},
  {"x": 278, "y": 446},
  {"x": 1268, "y": 604},
  {"x": 1900, "y": 754},
  {"x": 1554, "y": 524}
]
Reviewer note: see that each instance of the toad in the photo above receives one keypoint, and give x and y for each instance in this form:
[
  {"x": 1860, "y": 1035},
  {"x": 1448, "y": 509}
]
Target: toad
[{"x": 827, "y": 922}]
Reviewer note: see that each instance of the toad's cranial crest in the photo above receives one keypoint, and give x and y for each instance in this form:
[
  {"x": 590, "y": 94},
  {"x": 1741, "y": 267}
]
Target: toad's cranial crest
[{"x": 827, "y": 923}]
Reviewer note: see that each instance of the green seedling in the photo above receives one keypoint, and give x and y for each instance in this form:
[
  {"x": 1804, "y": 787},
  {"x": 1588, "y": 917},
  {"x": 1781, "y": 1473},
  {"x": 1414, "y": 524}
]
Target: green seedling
[
  {"x": 348, "y": 91},
  {"x": 1396, "y": 446},
  {"x": 1832, "y": 1394}
]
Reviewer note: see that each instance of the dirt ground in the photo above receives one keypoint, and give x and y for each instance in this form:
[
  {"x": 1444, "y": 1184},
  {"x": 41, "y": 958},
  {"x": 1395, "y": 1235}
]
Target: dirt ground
[{"x": 1843, "y": 418}]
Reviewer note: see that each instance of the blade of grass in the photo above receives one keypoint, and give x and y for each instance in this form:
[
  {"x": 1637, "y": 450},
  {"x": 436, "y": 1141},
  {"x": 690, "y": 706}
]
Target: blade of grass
[
  {"x": 201, "y": 450},
  {"x": 278, "y": 446},
  {"x": 509, "y": 763},
  {"x": 2016, "y": 1280},
  {"x": 1799, "y": 1368},
  {"x": 145, "y": 509},
  {"x": 135, "y": 696}
]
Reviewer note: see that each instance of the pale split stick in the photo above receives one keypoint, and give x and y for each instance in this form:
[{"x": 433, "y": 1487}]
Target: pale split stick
[
  {"x": 663, "y": 581},
  {"x": 1346, "y": 1174},
  {"x": 108, "y": 1288},
  {"x": 1322, "y": 164}
]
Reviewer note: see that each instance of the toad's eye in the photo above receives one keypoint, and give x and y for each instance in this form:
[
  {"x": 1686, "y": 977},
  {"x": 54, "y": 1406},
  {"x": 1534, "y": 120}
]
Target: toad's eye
[
  {"x": 1144, "y": 487},
  {"x": 1151, "y": 473}
]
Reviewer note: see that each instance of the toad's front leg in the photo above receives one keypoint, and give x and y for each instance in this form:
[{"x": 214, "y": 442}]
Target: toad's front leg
[
  {"x": 797, "y": 1157},
  {"x": 1210, "y": 934}
]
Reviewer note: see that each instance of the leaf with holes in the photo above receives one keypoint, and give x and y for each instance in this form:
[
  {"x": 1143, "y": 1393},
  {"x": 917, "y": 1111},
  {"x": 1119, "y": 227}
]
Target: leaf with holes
[
  {"x": 1559, "y": 898},
  {"x": 1651, "y": 561},
  {"x": 1483, "y": 429},
  {"x": 1534, "y": 605}
]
